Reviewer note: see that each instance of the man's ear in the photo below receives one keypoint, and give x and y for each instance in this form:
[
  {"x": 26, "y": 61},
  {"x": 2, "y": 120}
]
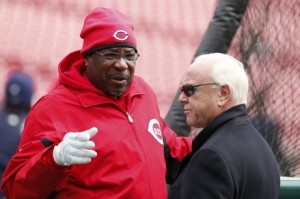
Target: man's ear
[
  {"x": 225, "y": 95},
  {"x": 86, "y": 62}
]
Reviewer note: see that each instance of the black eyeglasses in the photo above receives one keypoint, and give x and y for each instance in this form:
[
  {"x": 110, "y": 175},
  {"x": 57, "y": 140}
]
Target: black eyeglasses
[
  {"x": 111, "y": 56},
  {"x": 190, "y": 90}
]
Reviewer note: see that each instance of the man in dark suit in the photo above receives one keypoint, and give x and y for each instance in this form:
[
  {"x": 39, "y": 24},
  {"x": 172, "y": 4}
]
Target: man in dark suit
[{"x": 229, "y": 158}]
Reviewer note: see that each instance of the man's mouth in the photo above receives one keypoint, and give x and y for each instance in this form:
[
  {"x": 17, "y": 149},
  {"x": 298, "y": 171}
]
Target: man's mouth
[
  {"x": 186, "y": 111},
  {"x": 118, "y": 80}
]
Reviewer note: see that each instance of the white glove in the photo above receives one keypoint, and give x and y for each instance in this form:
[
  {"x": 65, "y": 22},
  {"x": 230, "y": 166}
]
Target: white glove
[{"x": 76, "y": 148}]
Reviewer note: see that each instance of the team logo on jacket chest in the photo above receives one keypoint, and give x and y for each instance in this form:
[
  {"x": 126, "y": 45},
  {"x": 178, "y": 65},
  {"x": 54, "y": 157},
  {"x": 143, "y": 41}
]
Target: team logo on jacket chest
[{"x": 155, "y": 130}]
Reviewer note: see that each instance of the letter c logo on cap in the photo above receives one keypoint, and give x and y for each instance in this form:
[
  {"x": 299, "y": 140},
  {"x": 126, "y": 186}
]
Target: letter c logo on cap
[{"x": 120, "y": 35}]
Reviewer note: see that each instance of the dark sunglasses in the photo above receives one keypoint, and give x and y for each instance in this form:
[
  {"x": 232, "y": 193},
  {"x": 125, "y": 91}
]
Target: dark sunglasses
[{"x": 190, "y": 90}]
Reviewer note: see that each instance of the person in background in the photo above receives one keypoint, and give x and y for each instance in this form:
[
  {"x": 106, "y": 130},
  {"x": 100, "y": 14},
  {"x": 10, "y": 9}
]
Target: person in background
[
  {"x": 229, "y": 158},
  {"x": 18, "y": 93},
  {"x": 99, "y": 133}
]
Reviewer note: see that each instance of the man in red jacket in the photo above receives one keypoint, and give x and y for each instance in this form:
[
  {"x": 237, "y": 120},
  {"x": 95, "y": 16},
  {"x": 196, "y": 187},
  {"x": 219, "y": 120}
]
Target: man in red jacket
[{"x": 99, "y": 133}]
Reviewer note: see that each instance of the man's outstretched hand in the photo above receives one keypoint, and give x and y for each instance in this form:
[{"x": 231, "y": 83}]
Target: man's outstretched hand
[{"x": 75, "y": 148}]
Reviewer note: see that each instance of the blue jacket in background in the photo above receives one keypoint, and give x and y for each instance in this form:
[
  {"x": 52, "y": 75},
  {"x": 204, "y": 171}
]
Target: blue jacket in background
[{"x": 17, "y": 102}]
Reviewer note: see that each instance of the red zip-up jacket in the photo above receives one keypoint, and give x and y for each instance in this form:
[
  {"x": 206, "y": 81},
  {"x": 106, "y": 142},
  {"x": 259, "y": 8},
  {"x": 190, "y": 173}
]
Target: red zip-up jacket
[{"x": 130, "y": 163}]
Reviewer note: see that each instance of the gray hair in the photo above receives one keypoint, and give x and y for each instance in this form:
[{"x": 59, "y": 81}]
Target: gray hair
[{"x": 227, "y": 70}]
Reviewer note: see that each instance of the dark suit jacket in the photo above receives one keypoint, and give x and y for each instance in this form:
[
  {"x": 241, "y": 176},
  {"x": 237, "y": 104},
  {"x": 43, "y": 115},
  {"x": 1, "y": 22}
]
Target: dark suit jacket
[{"x": 229, "y": 159}]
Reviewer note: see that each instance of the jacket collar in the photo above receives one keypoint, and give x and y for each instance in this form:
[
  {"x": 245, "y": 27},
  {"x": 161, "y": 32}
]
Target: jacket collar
[
  {"x": 88, "y": 99},
  {"x": 203, "y": 136}
]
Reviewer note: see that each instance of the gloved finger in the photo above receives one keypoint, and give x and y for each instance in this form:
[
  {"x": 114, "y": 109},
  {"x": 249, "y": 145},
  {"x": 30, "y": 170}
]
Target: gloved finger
[
  {"x": 80, "y": 160},
  {"x": 87, "y": 134},
  {"x": 75, "y": 136},
  {"x": 82, "y": 144},
  {"x": 91, "y": 132},
  {"x": 81, "y": 153},
  {"x": 70, "y": 136}
]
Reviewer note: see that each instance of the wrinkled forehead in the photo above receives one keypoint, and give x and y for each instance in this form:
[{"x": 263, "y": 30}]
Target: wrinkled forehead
[
  {"x": 198, "y": 71},
  {"x": 191, "y": 76}
]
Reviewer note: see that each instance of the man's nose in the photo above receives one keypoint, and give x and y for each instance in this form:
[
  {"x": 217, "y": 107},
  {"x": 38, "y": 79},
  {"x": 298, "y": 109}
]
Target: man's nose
[
  {"x": 121, "y": 63},
  {"x": 182, "y": 98}
]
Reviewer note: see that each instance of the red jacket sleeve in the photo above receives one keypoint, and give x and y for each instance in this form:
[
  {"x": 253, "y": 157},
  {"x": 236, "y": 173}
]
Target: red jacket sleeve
[
  {"x": 179, "y": 146},
  {"x": 175, "y": 149}
]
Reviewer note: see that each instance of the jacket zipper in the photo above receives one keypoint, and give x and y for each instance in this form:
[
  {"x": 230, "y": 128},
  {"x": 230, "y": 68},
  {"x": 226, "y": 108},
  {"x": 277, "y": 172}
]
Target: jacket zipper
[{"x": 129, "y": 117}]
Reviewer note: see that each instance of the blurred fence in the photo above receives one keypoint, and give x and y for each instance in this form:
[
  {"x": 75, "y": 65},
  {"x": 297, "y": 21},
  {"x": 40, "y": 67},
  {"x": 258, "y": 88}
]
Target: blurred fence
[{"x": 268, "y": 44}]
